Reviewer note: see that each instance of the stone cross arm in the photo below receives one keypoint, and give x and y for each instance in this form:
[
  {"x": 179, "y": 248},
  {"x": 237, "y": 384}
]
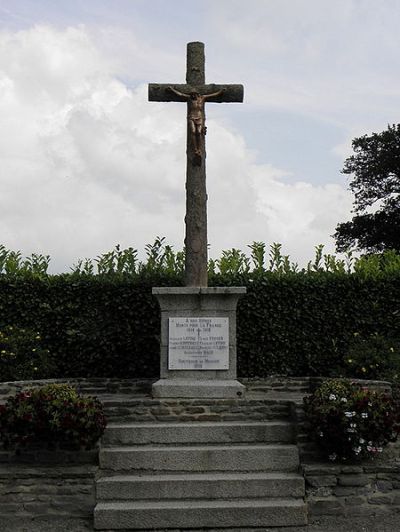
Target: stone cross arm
[{"x": 160, "y": 92}]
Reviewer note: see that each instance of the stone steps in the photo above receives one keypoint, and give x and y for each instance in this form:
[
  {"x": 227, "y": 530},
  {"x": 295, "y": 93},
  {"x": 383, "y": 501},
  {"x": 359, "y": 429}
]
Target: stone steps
[
  {"x": 205, "y": 457},
  {"x": 187, "y": 514},
  {"x": 200, "y": 486},
  {"x": 159, "y": 475},
  {"x": 197, "y": 432}
]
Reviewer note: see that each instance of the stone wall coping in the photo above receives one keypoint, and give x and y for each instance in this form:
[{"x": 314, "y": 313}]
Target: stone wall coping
[
  {"x": 31, "y": 470},
  {"x": 149, "y": 380},
  {"x": 366, "y": 466}
]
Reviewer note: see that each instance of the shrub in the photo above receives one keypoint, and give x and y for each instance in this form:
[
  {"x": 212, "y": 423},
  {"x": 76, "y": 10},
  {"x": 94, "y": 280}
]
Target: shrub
[
  {"x": 373, "y": 356},
  {"x": 22, "y": 356},
  {"x": 53, "y": 416},
  {"x": 349, "y": 422}
]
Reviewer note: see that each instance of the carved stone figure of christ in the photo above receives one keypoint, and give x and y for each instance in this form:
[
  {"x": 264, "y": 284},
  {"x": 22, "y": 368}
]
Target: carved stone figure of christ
[{"x": 196, "y": 115}]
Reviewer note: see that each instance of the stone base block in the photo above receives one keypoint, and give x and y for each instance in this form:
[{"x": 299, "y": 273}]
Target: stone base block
[{"x": 193, "y": 388}]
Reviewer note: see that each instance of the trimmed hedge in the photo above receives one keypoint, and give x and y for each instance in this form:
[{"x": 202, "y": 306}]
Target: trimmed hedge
[
  {"x": 295, "y": 323},
  {"x": 92, "y": 326},
  {"x": 304, "y": 323}
]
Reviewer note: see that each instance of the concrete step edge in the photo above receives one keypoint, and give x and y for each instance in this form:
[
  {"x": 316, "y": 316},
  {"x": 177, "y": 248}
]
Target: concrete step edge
[
  {"x": 208, "y": 475},
  {"x": 196, "y": 448},
  {"x": 196, "y": 503},
  {"x": 203, "y": 424}
]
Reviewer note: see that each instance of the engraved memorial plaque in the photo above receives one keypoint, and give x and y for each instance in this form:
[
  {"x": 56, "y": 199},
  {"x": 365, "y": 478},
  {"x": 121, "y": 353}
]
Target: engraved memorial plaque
[{"x": 198, "y": 343}]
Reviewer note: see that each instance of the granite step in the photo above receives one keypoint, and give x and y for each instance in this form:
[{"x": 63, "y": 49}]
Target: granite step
[
  {"x": 187, "y": 514},
  {"x": 196, "y": 458},
  {"x": 197, "y": 432},
  {"x": 200, "y": 486}
]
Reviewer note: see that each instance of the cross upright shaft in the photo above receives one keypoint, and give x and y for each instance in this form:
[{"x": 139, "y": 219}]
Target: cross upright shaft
[{"x": 195, "y": 92}]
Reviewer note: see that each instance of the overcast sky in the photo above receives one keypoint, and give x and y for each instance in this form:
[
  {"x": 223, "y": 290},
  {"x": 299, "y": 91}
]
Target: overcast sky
[{"x": 87, "y": 162}]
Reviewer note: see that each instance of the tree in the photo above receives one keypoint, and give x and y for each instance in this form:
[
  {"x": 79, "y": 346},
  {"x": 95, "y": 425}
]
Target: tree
[{"x": 376, "y": 186}]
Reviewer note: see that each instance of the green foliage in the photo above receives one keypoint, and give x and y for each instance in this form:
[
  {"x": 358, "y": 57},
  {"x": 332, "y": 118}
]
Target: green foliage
[
  {"x": 56, "y": 392},
  {"x": 233, "y": 262},
  {"x": 22, "y": 356},
  {"x": 375, "y": 167},
  {"x": 373, "y": 356},
  {"x": 54, "y": 415},
  {"x": 292, "y": 321},
  {"x": 349, "y": 422},
  {"x": 303, "y": 324},
  {"x": 374, "y": 264},
  {"x": 161, "y": 258},
  {"x": 258, "y": 256},
  {"x": 12, "y": 263}
]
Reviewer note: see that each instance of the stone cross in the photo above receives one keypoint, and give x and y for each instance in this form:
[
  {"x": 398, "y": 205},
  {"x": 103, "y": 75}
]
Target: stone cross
[{"x": 195, "y": 92}]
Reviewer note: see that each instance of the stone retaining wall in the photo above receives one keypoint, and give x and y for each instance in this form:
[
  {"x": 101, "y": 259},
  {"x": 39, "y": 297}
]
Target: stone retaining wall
[
  {"x": 183, "y": 410},
  {"x": 142, "y": 387},
  {"x": 367, "y": 489},
  {"x": 43, "y": 457},
  {"x": 59, "y": 491},
  {"x": 370, "y": 488},
  {"x": 95, "y": 386},
  {"x": 31, "y": 486}
]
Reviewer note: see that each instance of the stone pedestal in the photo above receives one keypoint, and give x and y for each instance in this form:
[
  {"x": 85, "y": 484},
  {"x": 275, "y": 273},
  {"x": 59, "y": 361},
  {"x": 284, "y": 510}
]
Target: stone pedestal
[{"x": 201, "y": 303}]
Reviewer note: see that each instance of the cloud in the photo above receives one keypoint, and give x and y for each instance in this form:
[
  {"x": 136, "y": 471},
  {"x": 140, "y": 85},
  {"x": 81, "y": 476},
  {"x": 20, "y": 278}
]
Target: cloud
[
  {"x": 252, "y": 202},
  {"x": 332, "y": 60},
  {"x": 82, "y": 168},
  {"x": 87, "y": 162}
]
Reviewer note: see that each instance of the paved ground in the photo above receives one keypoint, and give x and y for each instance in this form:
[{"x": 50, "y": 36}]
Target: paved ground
[{"x": 331, "y": 524}]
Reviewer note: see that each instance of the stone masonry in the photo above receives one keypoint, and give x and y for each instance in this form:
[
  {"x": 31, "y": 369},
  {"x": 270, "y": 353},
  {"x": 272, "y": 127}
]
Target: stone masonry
[
  {"x": 34, "y": 490},
  {"x": 372, "y": 488},
  {"x": 38, "y": 482}
]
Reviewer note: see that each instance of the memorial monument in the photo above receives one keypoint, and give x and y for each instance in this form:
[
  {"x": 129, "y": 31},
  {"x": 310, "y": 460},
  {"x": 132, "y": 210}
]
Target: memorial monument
[{"x": 198, "y": 323}]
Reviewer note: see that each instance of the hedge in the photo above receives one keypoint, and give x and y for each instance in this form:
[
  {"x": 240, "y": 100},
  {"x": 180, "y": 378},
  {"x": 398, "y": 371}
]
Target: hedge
[
  {"x": 299, "y": 323},
  {"x": 304, "y": 324}
]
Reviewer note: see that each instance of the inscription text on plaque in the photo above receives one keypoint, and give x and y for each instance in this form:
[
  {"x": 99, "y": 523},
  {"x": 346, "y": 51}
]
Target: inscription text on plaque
[{"x": 198, "y": 343}]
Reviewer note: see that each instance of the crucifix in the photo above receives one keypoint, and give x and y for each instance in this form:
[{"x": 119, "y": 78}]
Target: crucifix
[{"x": 195, "y": 93}]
